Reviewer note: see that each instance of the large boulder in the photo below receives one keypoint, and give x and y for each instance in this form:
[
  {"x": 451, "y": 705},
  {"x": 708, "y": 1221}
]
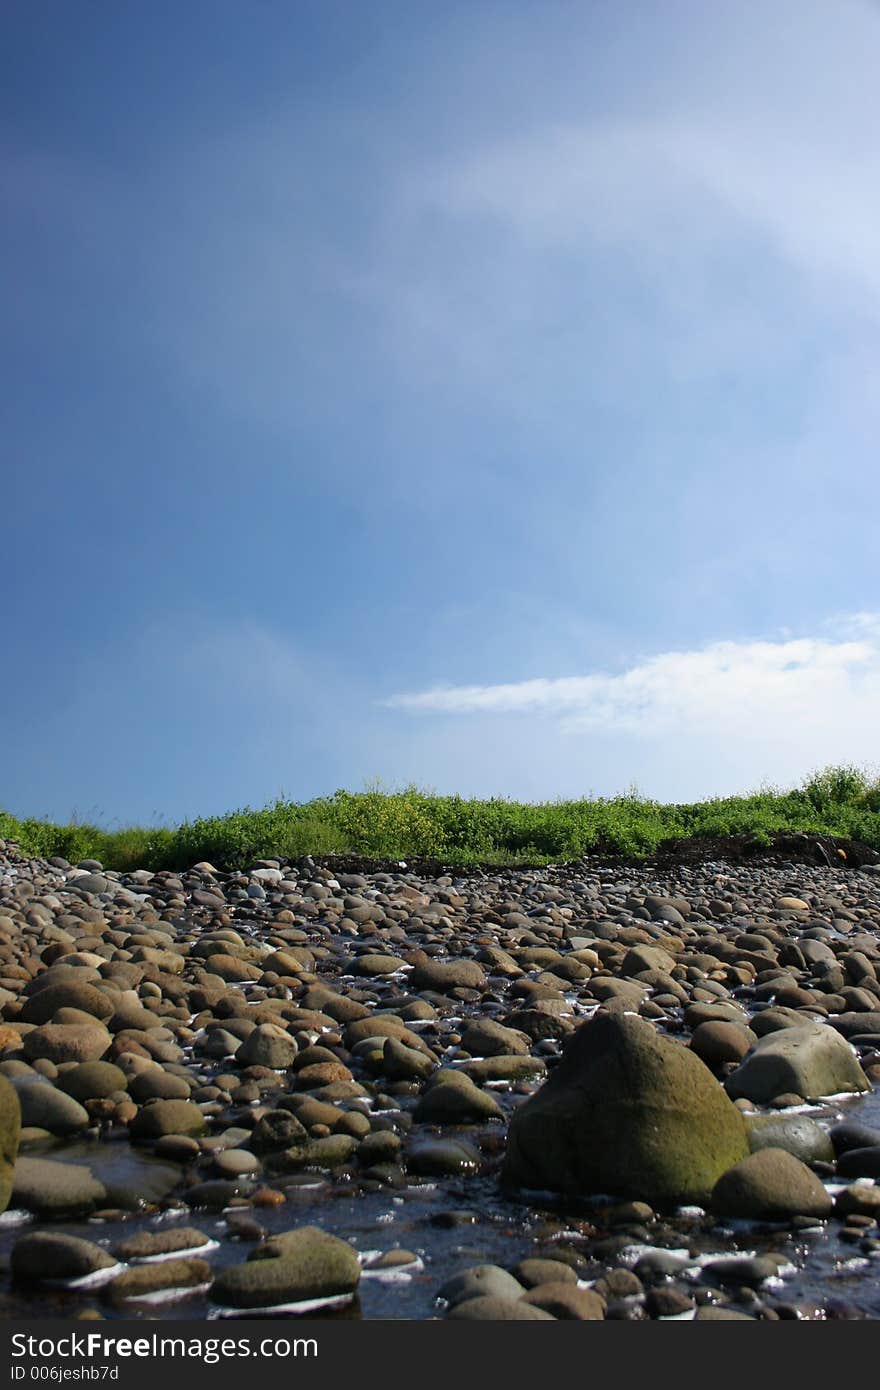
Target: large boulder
[
  {"x": 10, "y": 1128},
  {"x": 626, "y": 1112},
  {"x": 812, "y": 1060}
]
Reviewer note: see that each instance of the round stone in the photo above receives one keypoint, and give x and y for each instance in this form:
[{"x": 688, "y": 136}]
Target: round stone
[{"x": 162, "y": 1117}]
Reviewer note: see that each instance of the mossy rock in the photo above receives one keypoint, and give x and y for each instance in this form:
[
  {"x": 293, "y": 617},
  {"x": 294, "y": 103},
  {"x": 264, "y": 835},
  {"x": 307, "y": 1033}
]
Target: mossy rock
[
  {"x": 627, "y": 1112},
  {"x": 302, "y": 1264},
  {"x": 163, "y": 1117},
  {"x": 10, "y": 1130}
]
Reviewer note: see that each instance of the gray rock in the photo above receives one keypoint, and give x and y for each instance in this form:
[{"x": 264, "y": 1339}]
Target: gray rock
[
  {"x": 89, "y": 883},
  {"x": 660, "y": 1264},
  {"x": 851, "y": 1024},
  {"x": 236, "y": 1163},
  {"x": 214, "y": 1195},
  {"x": 797, "y": 1134},
  {"x": 811, "y": 1061}
]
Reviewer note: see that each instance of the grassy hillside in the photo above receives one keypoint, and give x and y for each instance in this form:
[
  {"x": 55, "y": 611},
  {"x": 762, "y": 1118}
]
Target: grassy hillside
[{"x": 841, "y": 801}]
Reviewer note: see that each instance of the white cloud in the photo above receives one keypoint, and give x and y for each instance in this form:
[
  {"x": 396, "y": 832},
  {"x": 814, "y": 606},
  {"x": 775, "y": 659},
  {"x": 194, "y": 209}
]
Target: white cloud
[
  {"x": 722, "y": 218},
  {"x": 809, "y": 690},
  {"x": 572, "y": 185}
]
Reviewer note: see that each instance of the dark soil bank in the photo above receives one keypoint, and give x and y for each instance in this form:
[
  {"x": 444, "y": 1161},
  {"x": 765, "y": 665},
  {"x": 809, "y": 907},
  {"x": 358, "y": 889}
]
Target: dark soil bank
[{"x": 599, "y": 1090}]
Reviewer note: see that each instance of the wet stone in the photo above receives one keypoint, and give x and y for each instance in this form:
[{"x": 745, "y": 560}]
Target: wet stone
[
  {"x": 45, "y": 1107},
  {"x": 51, "y": 1189},
  {"x": 430, "y": 1157},
  {"x": 160, "y": 1280},
  {"x": 303, "y": 1264},
  {"x": 49, "y": 1256},
  {"x": 147, "y": 1245},
  {"x": 163, "y": 1117},
  {"x": 493, "y": 1309},
  {"x": 480, "y": 1281}
]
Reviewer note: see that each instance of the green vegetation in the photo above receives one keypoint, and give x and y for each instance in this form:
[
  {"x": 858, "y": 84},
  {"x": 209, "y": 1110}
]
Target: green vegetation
[{"x": 841, "y": 801}]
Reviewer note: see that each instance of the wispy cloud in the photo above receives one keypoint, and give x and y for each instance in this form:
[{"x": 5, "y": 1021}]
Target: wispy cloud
[
  {"x": 576, "y": 185},
  {"x": 814, "y": 684}
]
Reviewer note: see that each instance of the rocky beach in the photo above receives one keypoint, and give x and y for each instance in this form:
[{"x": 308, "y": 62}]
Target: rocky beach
[{"x": 600, "y": 1090}]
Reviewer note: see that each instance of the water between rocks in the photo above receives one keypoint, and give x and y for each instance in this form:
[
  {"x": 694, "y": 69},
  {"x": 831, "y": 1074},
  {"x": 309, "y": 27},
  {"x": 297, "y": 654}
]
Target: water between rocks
[
  {"x": 452, "y": 1223},
  {"x": 456, "y": 1223}
]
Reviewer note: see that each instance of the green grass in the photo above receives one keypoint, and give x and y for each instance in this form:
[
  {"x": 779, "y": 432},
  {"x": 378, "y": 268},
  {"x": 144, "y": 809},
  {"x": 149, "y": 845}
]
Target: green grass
[{"x": 841, "y": 801}]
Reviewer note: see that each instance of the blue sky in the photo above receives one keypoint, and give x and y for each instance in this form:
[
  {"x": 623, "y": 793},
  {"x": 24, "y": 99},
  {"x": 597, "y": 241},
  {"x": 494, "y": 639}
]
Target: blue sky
[{"x": 481, "y": 395}]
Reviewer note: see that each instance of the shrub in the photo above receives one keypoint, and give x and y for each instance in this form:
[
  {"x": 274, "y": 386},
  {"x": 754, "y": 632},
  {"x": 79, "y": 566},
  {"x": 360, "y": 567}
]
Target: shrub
[{"x": 407, "y": 823}]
